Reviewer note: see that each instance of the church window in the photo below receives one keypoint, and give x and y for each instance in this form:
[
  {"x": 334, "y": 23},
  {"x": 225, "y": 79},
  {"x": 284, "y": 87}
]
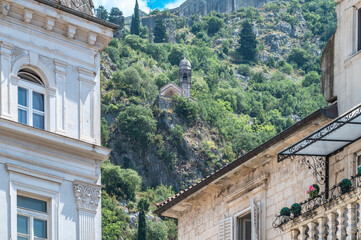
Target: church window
[
  {"x": 185, "y": 77},
  {"x": 31, "y": 109},
  {"x": 32, "y": 219}
]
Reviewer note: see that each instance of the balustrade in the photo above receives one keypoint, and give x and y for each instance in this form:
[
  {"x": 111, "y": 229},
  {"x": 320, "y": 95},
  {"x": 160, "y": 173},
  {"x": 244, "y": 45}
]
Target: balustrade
[{"x": 336, "y": 217}]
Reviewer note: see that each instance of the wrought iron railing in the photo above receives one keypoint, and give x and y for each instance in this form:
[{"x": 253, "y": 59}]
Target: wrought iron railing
[{"x": 324, "y": 199}]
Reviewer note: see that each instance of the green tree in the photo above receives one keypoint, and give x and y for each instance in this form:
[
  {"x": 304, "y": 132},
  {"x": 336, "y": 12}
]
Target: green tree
[
  {"x": 138, "y": 125},
  {"x": 160, "y": 32},
  {"x": 214, "y": 24},
  {"x": 157, "y": 230},
  {"x": 116, "y": 17},
  {"x": 101, "y": 13},
  {"x": 123, "y": 183},
  {"x": 176, "y": 55},
  {"x": 143, "y": 206},
  {"x": 311, "y": 78},
  {"x": 248, "y": 43},
  {"x": 135, "y": 24}
]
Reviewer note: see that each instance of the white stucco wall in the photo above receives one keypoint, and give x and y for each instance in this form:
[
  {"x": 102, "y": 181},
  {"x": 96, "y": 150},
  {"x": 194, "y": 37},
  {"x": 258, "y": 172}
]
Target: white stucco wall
[
  {"x": 61, "y": 163},
  {"x": 347, "y": 60}
]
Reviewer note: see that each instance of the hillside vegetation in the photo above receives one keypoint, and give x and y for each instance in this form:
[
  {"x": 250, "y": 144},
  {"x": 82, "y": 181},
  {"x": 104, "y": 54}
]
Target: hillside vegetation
[{"x": 240, "y": 102}]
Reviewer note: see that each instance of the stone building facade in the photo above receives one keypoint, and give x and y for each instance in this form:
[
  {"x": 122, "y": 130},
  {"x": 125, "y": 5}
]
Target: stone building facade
[
  {"x": 243, "y": 200},
  {"x": 50, "y": 149}
]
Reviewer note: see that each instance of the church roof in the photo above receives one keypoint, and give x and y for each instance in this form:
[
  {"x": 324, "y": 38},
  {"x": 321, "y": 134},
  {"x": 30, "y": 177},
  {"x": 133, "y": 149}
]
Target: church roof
[
  {"x": 170, "y": 85},
  {"x": 185, "y": 64}
]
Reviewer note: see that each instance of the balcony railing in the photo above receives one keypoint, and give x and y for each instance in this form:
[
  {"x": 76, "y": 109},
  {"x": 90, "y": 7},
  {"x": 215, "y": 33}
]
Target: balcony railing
[{"x": 331, "y": 215}]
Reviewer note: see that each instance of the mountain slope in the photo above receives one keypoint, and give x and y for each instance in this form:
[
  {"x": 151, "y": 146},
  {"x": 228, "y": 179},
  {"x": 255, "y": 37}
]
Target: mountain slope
[{"x": 238, "y": 105}]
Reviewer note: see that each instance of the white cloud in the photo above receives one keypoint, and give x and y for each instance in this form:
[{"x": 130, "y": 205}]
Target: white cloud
[
  {"x": 175, "y": 4},
  {"x": 126, "y": 6}
]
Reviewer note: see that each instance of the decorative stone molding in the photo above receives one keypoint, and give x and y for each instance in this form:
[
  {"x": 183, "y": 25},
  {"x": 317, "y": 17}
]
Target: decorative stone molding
[
  {"x": 86, "y": 75},
  {"x": 6, "y": 49},
  {"x": 60, "y": 66},
  {"x": 87, "y": 195},
  {"x": 71, "y": 31},
  {"x": 28, "y": 15},
  {"x": 49, "y": 24},
  {"x": 5, "y": 7},
  {"x": 92, "y": 38}
]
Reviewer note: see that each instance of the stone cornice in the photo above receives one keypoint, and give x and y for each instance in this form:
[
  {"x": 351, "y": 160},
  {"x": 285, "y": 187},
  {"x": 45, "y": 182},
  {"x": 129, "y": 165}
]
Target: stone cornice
[
  {"x": 75, "y": 26},
  {"x": 54, "y": 141},
  {"x": 87, "y": 196}
]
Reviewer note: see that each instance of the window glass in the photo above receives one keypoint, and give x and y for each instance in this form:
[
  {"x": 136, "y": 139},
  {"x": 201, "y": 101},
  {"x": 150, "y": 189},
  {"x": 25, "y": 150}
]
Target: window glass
[
  {"x": 23, "y": 96},
  {"x": 40, "y": 228},
  {"x": 244, "y": 227},
  {"x": 22, "y": 238},
  {"x": 38, "y": 121},
  {"x": 38, "y": 101},
  {"x": 23, "y": 224},
  {"x": 32, "y": 204},
  {"x": 22, "y": 116}
]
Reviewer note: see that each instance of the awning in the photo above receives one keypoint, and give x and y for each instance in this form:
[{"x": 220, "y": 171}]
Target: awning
[{"x": 326, "y": 141}]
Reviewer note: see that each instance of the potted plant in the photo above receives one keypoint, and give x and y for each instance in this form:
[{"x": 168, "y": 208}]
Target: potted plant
[
  {"x": 285, "y": 212},
  {"x": 296, "y": 209},
  {"x": 313, "y": 191},
  {"x": 345, "y": 185}
]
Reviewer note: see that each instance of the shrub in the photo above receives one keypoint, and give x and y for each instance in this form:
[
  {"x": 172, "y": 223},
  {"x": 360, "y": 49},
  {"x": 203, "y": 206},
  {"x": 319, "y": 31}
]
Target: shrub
[
  {"x": 285, "y": 211},
  {"x": 138, "y": 125},
  {"x": 214, "y": 24},
  {"x": 244, "y": 70},
  {"x": 296, "y": 209},
  {"x": 122, "y": 183},
  {"x": 187, "y": 109}
]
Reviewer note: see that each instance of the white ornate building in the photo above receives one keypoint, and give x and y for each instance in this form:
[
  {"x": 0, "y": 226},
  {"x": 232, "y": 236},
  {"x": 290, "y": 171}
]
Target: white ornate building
[{"x": 50, "y": 150}]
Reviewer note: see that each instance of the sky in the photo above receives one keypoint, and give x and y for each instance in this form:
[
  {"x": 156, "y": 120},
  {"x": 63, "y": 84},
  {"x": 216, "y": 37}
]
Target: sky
[{"x": 127, "y": 6}]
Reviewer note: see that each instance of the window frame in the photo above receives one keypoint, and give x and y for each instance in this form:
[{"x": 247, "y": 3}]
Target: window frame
[
  {"x": 31, "y": 87},
  {"x": 31, "y": 214},
  {"x": 357, "y": 30},
  {"x": 240, "y": 214},
  {"x": 40, "y": 188},
  {"x": 357, "y": 155}
]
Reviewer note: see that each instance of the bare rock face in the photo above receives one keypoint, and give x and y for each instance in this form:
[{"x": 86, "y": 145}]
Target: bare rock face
[
  {"x": 84, "y": 6},
  {"x": 203, "y": 7}
]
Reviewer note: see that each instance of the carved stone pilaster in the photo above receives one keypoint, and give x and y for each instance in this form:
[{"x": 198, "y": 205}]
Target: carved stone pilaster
[
  {"x": 60, "y": 75},
  {"x": 87, "y": 195},
  {"x": 5, "y": 60}
]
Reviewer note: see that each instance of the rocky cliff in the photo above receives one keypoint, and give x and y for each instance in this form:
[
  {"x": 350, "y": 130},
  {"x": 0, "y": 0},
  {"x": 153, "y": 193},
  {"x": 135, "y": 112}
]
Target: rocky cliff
[{"x": 203, "y": 7}]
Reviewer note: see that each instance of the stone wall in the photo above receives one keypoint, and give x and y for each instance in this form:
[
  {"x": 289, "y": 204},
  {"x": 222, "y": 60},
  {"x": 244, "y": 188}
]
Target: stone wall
[{"x": 203, "y": 7}]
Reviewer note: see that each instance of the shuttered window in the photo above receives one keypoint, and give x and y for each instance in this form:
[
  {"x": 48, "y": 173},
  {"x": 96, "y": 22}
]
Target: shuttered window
[
  {"x": 247, "y": 224},
  {"x": 225, "y": 229}
]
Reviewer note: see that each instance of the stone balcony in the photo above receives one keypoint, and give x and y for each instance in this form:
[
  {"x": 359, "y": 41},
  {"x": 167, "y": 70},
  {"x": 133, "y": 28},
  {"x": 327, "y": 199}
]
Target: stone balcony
[{"x": 332, "y": 215}]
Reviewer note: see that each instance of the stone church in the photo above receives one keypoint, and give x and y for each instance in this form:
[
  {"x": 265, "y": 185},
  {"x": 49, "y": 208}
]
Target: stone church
[
  {"x": 50, "y": 149},
  {"x": 185, "y": 82},
  {"x": 264, "y": 193}
]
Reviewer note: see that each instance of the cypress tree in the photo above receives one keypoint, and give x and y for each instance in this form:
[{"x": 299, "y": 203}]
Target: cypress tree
[
  {"x": 143, "y": 206},
  {"x": 248, "y": 43},
  {"x": 160, "y": 32},
  {"x": 135, "y": 25}
]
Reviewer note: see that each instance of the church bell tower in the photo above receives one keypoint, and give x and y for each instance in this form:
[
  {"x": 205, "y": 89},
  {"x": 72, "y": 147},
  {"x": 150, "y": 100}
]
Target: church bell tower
[{"x": 185, "y": 77}]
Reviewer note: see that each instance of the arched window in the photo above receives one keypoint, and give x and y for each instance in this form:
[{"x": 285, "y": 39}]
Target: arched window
[
  {"x": 185, "y": 77},
  {"x": 31, "y": 104}
]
